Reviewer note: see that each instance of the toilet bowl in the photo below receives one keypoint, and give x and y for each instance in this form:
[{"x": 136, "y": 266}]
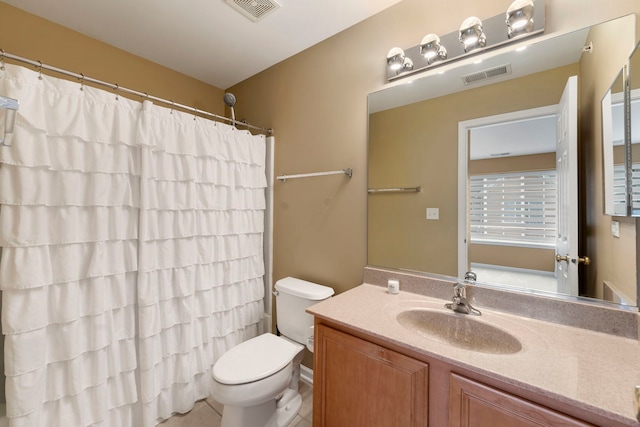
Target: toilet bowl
[
  {"x": 252, "y": 379},
  {"x": 257, "y": 380}
]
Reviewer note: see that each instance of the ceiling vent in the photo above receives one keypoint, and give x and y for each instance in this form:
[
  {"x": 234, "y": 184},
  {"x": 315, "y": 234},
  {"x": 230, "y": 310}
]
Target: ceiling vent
[
  {"x": 255, "y": 10},
  {"x": 491, "y": 73}
]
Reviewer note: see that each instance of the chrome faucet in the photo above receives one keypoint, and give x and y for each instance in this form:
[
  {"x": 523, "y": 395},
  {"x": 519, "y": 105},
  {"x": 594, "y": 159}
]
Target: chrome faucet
[{"x": 459, "y": 302}]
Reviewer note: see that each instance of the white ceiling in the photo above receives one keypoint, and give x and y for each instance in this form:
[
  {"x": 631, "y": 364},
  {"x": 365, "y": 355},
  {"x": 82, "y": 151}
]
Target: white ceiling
[
  {"x": 206, "y": 39},
  {"x": 514, "y": 138}
]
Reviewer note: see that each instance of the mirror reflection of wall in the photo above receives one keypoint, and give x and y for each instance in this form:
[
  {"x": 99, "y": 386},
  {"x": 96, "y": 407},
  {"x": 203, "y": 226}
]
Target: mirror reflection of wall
[
  {"x": 609, "y": 241},
  {"x": 417, "y": 145},
  {"x": 634, "y": 98},
  {"x": 414, "y": 143},
  {"x": 614, "y": 149}
]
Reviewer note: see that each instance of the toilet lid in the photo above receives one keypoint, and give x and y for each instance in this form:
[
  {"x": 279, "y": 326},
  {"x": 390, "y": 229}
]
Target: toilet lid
[{"x": 254, "y": 359}]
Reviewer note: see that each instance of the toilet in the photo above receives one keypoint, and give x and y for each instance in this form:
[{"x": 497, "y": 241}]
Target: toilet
[{"x": 257, "y": 380}]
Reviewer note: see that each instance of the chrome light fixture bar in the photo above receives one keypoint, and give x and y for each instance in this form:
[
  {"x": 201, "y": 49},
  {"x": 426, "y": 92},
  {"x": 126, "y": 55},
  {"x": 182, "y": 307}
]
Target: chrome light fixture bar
[{"x": 523, "y": 19}]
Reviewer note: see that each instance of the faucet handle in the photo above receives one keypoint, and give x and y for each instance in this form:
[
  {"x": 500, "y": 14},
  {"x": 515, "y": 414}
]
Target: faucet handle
[
  {"x": 459, "y": 291},
  {"x": 470, "y": 276}
]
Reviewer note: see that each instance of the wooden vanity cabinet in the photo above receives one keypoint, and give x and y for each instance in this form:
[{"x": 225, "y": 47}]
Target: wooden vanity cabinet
[
  {"x": 473, "y": 404},
  {"x": 359, "y": 383}
]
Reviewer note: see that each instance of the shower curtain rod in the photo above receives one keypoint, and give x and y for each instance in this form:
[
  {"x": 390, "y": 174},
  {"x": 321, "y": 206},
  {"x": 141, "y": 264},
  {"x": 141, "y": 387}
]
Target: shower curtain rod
[{"x": 40, "y": 66}]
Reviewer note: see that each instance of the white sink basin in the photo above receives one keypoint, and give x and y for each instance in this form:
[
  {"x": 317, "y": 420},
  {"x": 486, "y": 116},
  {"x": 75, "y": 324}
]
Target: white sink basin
[{"x": 459, "y": 330}]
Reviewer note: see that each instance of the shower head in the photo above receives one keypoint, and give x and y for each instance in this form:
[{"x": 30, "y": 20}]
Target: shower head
[{"x": 230, "y": 100}]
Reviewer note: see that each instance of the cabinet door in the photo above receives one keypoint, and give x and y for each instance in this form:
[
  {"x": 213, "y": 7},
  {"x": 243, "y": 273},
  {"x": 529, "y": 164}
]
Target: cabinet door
[
  {"x": 473, "y": 404},
  {"x": 358, "y": 383}
]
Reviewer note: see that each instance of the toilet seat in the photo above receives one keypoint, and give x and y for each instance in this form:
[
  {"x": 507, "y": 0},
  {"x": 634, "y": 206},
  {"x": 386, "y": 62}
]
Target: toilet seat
[{"x": 254, "y": 359}]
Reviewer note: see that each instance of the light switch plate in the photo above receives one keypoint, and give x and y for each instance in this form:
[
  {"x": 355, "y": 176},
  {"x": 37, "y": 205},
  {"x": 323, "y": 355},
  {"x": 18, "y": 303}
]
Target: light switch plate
[
  {"x": 433, "y": 213},
  {"x": 615, "y": 228}
]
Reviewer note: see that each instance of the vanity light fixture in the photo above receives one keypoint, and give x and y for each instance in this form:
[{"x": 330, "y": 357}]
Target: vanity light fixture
[
  {"x": 524, "y": 19},
  {"x": 519, "y": 18},
  {"x": 395, "y": 58},
  {"x": 432, "y": 49},
  {"x": 471, "y": 34}
]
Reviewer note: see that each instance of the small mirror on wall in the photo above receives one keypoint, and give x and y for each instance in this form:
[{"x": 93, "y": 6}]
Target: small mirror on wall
[
  {"x": 634, "y": 125},
  {"x": 614, "y": 148}
]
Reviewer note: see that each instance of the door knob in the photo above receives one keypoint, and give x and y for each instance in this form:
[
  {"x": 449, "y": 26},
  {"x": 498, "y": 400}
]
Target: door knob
[{"x": 585, "y": 260}]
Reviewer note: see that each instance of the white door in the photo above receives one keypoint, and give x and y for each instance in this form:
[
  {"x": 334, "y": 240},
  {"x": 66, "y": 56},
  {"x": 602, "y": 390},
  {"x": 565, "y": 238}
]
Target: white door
[{"x": 567, "y": 170}]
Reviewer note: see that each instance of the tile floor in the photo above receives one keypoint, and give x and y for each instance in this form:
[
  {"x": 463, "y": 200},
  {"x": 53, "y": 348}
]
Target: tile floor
[{"x": 208, "y": 413}]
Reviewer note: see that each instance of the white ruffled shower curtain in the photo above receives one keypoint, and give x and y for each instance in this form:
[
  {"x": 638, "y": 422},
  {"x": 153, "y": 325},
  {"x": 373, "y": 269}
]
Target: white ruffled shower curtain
[{"x": 132, "y": 254}]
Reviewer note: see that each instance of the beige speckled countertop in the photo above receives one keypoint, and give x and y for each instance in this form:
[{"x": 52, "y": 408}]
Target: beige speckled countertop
[{"x": 594, "y": 371}]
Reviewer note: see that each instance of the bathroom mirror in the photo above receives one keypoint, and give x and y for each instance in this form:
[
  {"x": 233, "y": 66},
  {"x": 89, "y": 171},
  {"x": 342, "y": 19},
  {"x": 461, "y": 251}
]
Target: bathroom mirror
[
  {"x": 634, "y": 124},
  {"x": 614, "y": 157},
  {"x": 414, "y": 132}
]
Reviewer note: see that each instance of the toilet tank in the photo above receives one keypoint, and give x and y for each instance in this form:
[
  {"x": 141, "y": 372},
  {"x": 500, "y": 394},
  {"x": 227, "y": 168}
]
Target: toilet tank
[{"x": 293, "y": 296}]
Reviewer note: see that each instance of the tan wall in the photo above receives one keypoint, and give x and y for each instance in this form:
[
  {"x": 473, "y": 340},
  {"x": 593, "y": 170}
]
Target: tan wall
[
  {"x": 619, "y": 154},
  {"x": 29, "y": 36},
  {"x": 613, "y": 259},
  {"x": 513, "y": 256},
  {"x": 317, "y": 103},
  {"x": 418, "y": 145},
  {"x": 528, "y": 163}
]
